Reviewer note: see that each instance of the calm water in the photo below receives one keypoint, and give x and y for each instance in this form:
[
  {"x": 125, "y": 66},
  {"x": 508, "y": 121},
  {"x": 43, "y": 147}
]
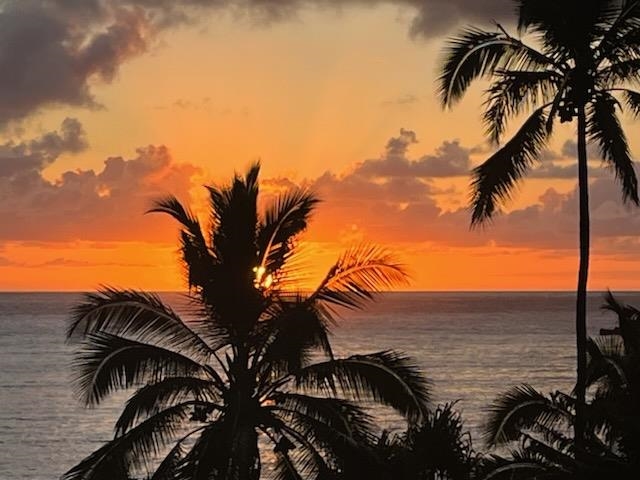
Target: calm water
[{"x": 472, "y": 345}]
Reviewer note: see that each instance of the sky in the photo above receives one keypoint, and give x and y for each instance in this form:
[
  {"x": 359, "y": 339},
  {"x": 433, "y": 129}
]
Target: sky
[{"x": 108, "y": 104}]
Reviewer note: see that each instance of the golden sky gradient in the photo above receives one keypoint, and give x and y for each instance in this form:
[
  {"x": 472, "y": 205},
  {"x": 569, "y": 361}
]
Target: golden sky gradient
[{"x": 338, "y": 100}]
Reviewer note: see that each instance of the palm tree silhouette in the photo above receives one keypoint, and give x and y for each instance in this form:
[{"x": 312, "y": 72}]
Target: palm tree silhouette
[
  {"x": 537, "y": 423},
  {"x": 589, "y": 50},
  {"x": 256, "y": 361},
  {"x": 438, "y": 448}
]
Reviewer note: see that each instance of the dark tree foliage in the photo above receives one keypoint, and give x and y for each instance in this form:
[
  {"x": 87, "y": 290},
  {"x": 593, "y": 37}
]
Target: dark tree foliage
[{"x": 535, "y": 426}]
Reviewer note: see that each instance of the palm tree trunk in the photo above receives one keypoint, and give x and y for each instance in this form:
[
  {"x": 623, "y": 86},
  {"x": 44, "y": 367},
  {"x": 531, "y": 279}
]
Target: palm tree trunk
[{"x": 583, "y": 274}]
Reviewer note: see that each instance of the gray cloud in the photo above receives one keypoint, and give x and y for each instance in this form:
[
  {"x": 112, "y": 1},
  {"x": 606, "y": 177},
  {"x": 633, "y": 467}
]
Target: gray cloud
[
  {"x": 84, "y": 204},
  {"x": 51, "y": 51},
  {"x": 449, "y": 160},
  {"x": 34, "y": 155},
  {"x": 570, "y": 150},
  {"x": 388, "y": 204},
  {"x": 565, "y": 171}
]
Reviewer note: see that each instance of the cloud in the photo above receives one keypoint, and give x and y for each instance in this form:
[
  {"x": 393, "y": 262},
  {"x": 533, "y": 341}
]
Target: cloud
[
  {"x": 84, "y": 204},
  {"x": 570, "y": 150},
  {"x": 5, "y": 262},
  {"x": 53, "y": 51},
  {"x": 67, "y": 262},
  {"x": 386, "y": 201},
  {"x": 449, "y": 160},
  {"x": 552, "y": 170},
  {"x": 380, "y": 200},
  {"x": 34, "y": 155}
]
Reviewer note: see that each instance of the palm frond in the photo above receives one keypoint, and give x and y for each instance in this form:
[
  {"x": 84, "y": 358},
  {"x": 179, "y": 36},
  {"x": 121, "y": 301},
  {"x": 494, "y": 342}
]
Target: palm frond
[
  {"x": 560, "y": 458},
  {"x": 338, "y": 414},
  {"x": 167, "y": 470},
  {"x": 549, "y": 20},
  {"x": 154, "y": 397},
  {"x": 295, "y": 330},
  {"x": 604, "y": 127},
  {"x": 285, "y": 468},
  {"x": 284, "y": 219},
  {"x": 306, "y": 457},
  {"x": 107, "y": 363},
  {"x": 138, "y": 316},
  {"x": 134, "y": 450},
  {"x": 616, "y": 38},
  {"x": 620, "y": 72},
  {"x": 172, "y": 206},
  {"x": 632, "y": 102},
  {"x": 217, "y": 453},
  {"x": 359, "y": 273},
  {"x": 386, "y": 377},
  {"x": 196, "y": 255},
  {"x": 494, "y": 180},
  {"x": 629, "y": 321},
  {"x": 512, "y": 92},
  {"x": 523, "y": 470},
  {"x": 207, "y": 457},
  {"x": 521, "y": 408},
  {"x": 605, "y": 368},
  {"x": 234, "y": 219},
  {"x": 439, "y": 445},
  {"x": 475, "y": 53},
  {"x": 322, "y": 445}
]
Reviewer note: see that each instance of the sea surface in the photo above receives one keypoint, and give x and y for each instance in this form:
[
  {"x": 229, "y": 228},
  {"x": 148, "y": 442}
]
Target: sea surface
[{"x": 472, "y": 346}]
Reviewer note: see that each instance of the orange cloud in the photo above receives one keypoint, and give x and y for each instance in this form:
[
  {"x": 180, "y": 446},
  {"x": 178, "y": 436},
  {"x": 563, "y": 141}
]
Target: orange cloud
[{"x": 85, "y": 204}]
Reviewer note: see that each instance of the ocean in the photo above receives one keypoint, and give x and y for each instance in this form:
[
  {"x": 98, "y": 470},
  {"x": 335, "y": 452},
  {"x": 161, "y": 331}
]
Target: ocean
[{"x": 472, "y": 346}]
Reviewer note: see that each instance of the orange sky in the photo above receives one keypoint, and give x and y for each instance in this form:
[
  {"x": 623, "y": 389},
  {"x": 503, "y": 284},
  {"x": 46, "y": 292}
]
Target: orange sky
[{"x": 341, "y": 100}]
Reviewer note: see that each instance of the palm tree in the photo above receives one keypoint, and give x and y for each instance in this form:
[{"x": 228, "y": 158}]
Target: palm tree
[
  {"x": 253, "y": 366},
  {"x": 588, "y": 52},
  {"x": 438, "y": 448},
  {"x": 538, "y": 423}
]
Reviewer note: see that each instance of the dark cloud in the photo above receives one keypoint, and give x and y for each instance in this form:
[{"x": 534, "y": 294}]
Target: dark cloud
[
  {"x": 52, "y": 51},
  {"x": 436, "y": 17},
  {"x": 18, "y": 159},
  {"x": 84, "y": 204},
  {"x": 449, "y": 160}
]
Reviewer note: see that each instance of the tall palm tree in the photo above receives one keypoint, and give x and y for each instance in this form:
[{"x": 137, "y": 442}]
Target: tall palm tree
[
  {"x": 588, "y": 52},
  {"x": 254, "y": 362}
]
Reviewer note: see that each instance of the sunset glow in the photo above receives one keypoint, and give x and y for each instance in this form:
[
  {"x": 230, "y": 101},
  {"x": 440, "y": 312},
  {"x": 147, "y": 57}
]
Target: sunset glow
[{"x": 335, "y": 97}]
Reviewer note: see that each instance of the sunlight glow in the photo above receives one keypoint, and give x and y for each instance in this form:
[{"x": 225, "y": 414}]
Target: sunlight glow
[{"x": 262, "y": 281}]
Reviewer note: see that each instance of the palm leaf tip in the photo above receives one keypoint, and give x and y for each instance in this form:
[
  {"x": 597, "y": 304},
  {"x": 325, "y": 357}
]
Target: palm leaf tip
[
  {"x": 172, "y": 206},
  {"x": 494, "y": 181},
  {"x": 470, "y": 55},
  {"x": 359, "y": 273},
  {"x": 604, "y": 127},
  {"x": 387, "y": 377},
  {"x": 520, "y": 408}
]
